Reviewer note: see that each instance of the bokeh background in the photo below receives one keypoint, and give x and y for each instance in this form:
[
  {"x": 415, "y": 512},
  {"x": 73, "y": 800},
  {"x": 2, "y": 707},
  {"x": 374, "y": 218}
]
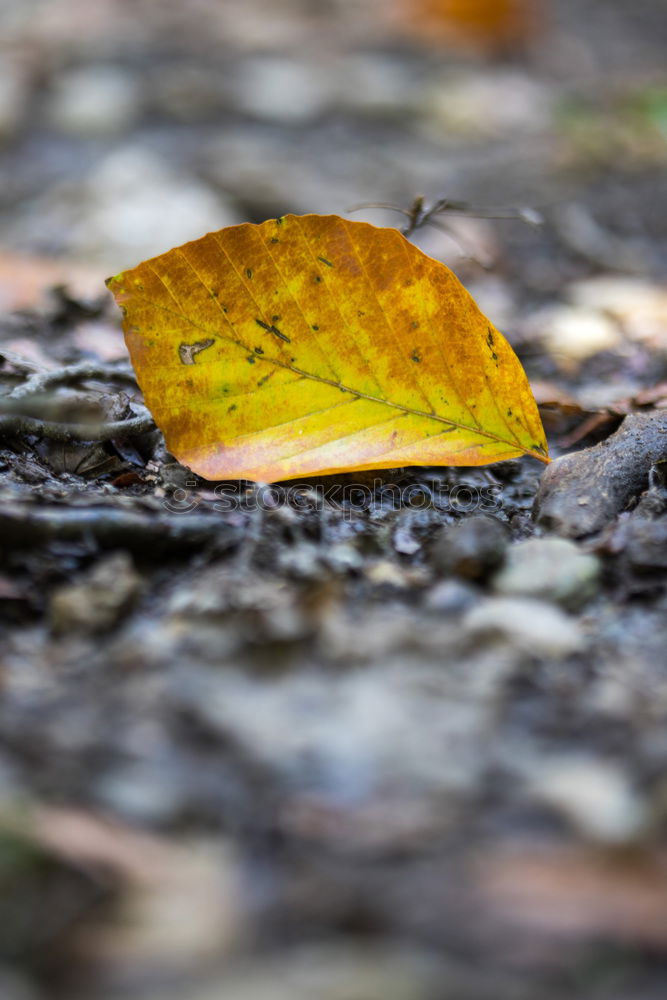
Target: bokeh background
[{"x": 128, "y": 127}]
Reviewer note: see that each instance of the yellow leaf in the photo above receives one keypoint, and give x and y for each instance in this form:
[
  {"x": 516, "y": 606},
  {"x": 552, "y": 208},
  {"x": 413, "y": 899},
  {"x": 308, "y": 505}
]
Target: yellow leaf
[
  {"x": 312, "y": 345},
  {"x": 491, "y": 24}
]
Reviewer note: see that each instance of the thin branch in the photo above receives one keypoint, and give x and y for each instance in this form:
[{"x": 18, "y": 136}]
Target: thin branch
[
  {"x": 19, "y": 423},
  {"x": 40, "y": 381}
]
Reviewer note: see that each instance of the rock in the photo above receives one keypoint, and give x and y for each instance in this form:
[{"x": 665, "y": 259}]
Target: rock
[
  {"x": 594, "y": 796},
  {"x": 94, "y": 100},
  {"x": 533, "y": 627},
  {"x": 99, "y": 599},
  {"x": 281, "y": 90},
  {"x": 580, "y": 493},
  {"x": 639, "y": 307},
  {"x": 451, "y": 597},
  {"x": 138, "y": 207},
  {"x": 487, "y": 106},
  {"x": 375, "y": 84},
  {"x": 550, "y": 569},
  {"x": 645, "y": 545},
  {"x": 573, "y": 333},
  {"x": 472, "y": 548}
]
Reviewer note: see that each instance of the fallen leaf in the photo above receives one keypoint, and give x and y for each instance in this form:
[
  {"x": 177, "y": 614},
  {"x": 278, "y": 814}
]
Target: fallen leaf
[
  {"x": 314, "y": 345},
  {"x": 486, "y": 24}
]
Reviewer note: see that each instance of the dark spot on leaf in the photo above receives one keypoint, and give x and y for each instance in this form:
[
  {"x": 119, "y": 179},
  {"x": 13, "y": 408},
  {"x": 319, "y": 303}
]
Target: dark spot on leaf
[
  {"x": 214, "y": 294},
  {"x": 273, "y": 329},
  {"x": 259, "y": 350},
  {"x": 509, "y": 413},
  {"x": 265, "y": 378},
  {"x": 317, "y": 279},
  {"x": 248, "y": 272},
  {"x": 251, "y": 359},
  {"x": 415, "y": 324},
  {"x": 360, "y": 312},
  {"x": 325, "y": 261},
  {"x": 274, "y": 239},
  {"x": 230, "y": 408},
  {"x": 280, "y": 220},
  {"x": 274, "y": 319},
  {"x": 415, "y": 356},
  {"x": 314, "y": 327}
]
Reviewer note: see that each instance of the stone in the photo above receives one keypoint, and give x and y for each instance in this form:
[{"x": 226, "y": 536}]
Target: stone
[
  {"x": 450, "y": 597},
  {"x": 94, "y": 100},
  {"x": 472, "y": 548},
  {"x": 594, "y": 796},
  {"x": 488, "y": 106},
  {"x": 137, "y": 207},
  {"x": 582, "y": 492},
  {"x": 550, "y": 569},
  {"x": 645, "y": 548},
  {"x": 99, "y": 599},
  {"x": 573, "y": 333},
  {"x": 533, "y": 627},
  {"x": 281, "y": 90}
]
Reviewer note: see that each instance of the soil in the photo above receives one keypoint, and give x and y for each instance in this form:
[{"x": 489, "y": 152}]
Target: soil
[{"x": 392, "y": 737}]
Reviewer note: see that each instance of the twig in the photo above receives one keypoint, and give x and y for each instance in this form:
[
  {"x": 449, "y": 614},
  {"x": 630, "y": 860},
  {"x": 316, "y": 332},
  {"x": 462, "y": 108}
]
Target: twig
[
  {"x": 109, "y": 527},
  {"x": 19, "y": 423},
  {"x": 40, "y": 381},
  {"x": 419, "y": 214}
]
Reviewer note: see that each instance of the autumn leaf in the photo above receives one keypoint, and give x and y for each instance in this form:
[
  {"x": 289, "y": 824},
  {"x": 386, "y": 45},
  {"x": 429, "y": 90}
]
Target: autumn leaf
[
  {"x": 490, "y": 24},
  {"x": 312, "y": 345}
]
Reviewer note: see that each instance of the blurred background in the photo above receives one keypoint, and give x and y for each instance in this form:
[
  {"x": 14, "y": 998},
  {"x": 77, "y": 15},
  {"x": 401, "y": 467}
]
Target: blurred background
[
  {"x": 129, "y": 126},
  {"x": 329, "y": 839}
]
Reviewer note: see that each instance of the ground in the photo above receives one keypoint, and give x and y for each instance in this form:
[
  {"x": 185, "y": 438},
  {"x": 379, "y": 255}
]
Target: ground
[{"x": 382, "y": 747}]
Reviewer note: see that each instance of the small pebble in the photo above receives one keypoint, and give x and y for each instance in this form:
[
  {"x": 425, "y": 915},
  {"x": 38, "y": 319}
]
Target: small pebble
[
  {"x": 646, "y": 544},
  {"x": 594, "y": 796},
  {"x": 533, "y": 627},
  {"x": 450, "y": 597},
  {"x": 487, "y": 106},
  {"x": 137, "y": 207},
  {"x": 99, "y": 599},
  {"x": 472, "y": 548},
  {"x": 94, "y": 100},
  {"x": 573, "y": 333},
  {"x": 281, "y": 90},
  {"x": 550, "y": 569}
]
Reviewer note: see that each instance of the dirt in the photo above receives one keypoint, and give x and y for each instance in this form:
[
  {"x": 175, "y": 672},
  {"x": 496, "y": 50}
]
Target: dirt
[{"x": 397, "y": 736}]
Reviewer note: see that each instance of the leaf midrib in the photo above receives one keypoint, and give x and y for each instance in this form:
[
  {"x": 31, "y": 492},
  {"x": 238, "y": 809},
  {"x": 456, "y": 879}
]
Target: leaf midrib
[{"x": 345, "y": 388}]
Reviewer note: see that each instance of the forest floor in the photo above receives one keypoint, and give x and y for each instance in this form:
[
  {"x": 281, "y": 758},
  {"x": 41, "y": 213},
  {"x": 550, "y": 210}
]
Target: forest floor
[{"x": 403, "y": 741}]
